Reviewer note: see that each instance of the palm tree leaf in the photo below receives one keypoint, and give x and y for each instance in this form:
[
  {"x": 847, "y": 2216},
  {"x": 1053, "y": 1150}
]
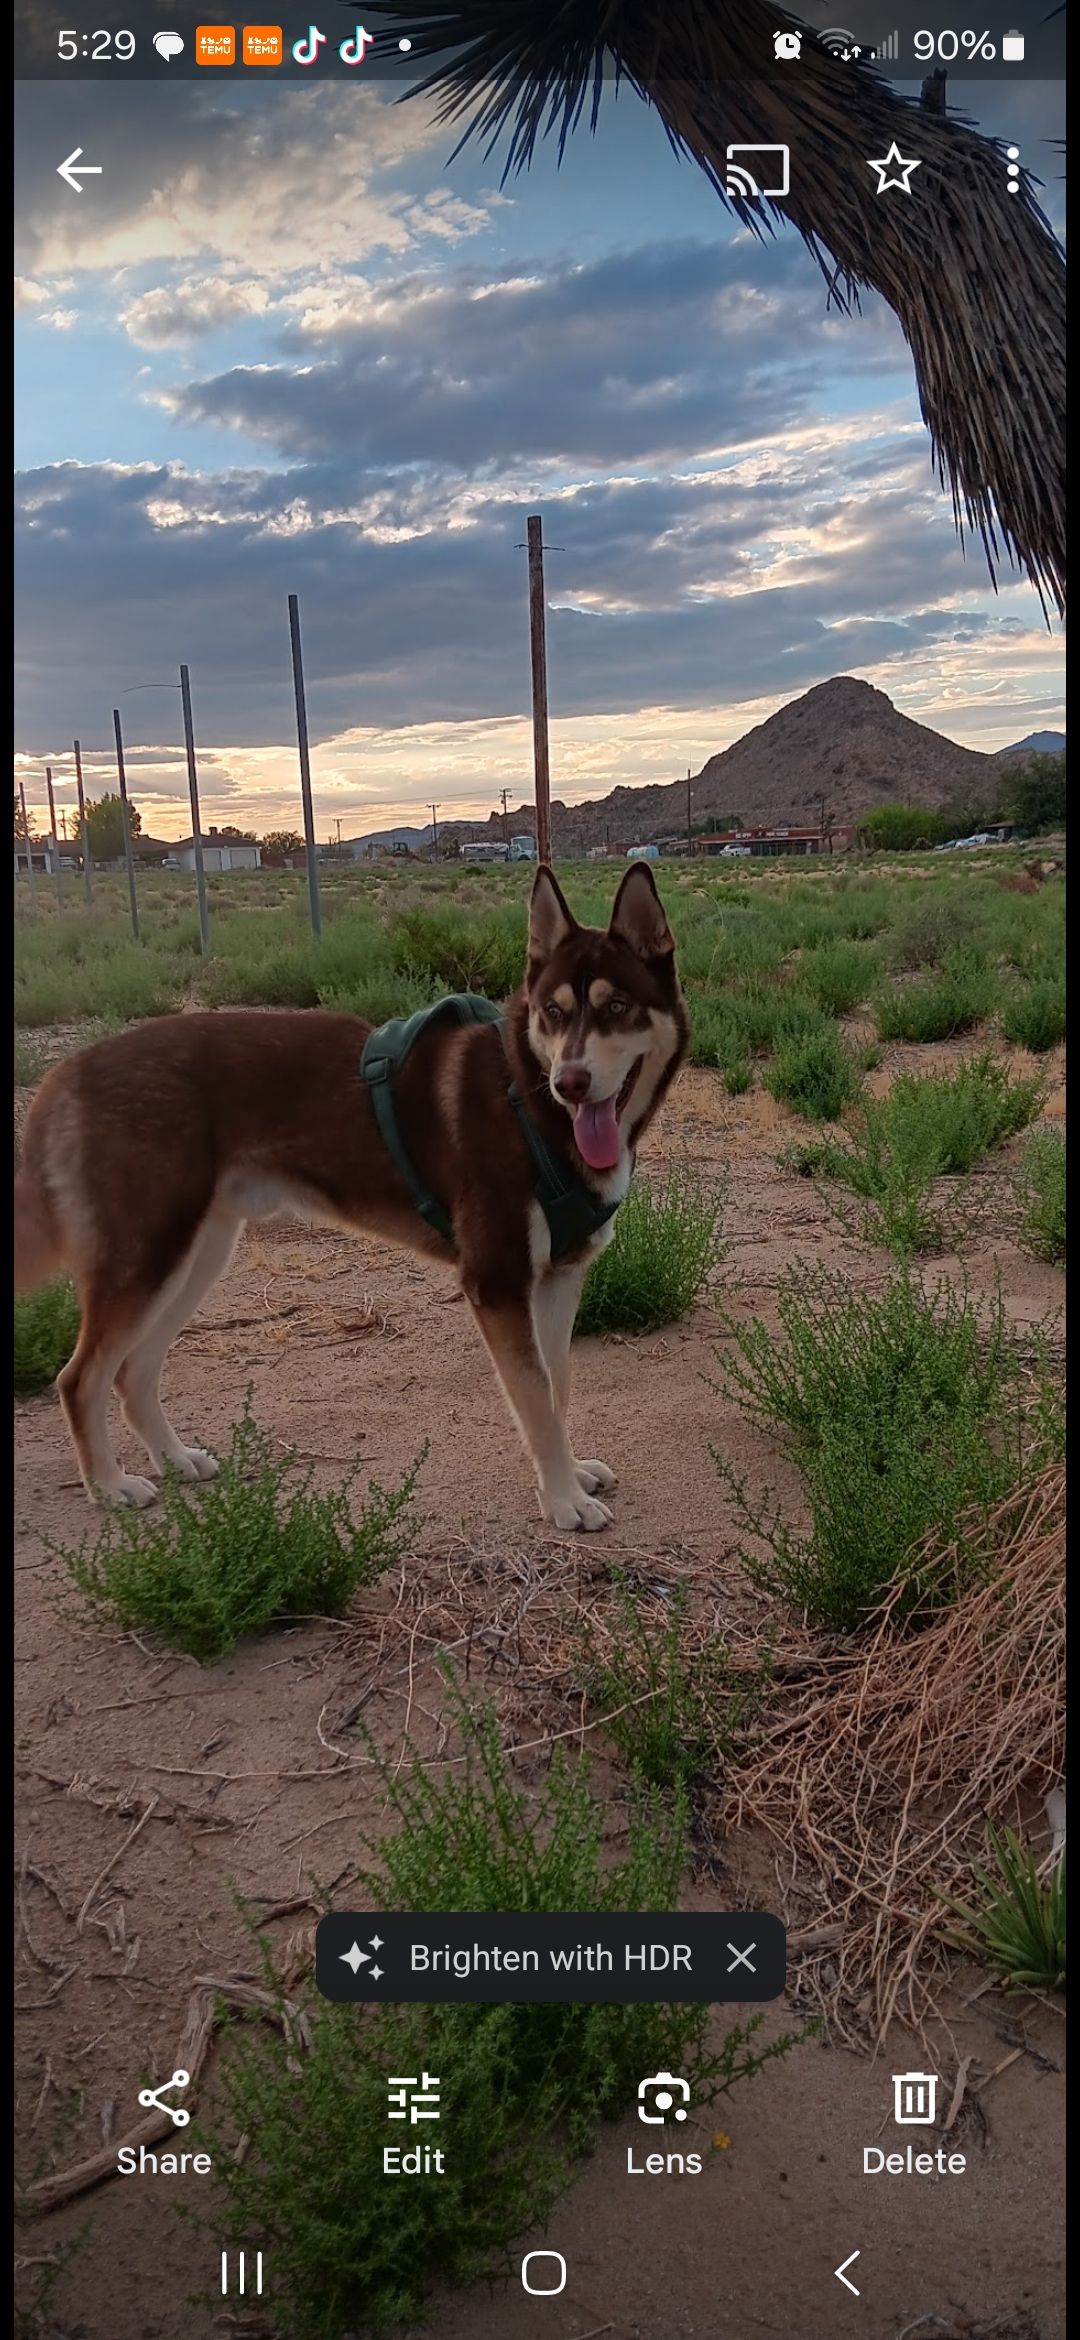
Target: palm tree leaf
[{"x": 974, "y": 275}]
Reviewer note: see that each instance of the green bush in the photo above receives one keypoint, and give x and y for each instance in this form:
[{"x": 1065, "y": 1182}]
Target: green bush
[
  {"x": 817, "y": 1076},
  {"x": 1042, "y": 1194},
  {"x": 1035, "y": 1016},
  {"x": 667, "y": 1242},
  {"x": 903, "y": 828},
  {"x": 46, "y": 1330},
  {"x": 1018, "y": 1926},
  {"x": 460, "y": 951},
  {"x": 905, "y": 1413},
  {"x": 256, "y": 1546},
  {"x": 928, "y": 1126},
  {"x": 939, "y": 1008},
  {"x": 523, "y": 2087},
  {"x": 675, "y": 1715},
  {"x": 839, "y": 975}
]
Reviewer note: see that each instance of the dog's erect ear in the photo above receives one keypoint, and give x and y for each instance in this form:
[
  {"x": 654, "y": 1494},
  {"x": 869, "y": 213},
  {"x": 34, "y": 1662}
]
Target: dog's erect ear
[
  {"x": 550, "y": 921},
  {"x": 638, "y": 917}
]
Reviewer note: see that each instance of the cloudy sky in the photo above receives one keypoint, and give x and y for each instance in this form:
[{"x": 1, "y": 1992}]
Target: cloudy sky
[{"x": 285, "y": 344}]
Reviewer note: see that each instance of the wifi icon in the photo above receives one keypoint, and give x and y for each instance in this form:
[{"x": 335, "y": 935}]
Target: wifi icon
[
  {"x": 771, "y": 174},
  {"x": 841, "y": 44}
]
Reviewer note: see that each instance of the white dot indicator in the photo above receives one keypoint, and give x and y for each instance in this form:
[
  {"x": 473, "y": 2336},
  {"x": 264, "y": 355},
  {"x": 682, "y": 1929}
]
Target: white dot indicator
[
  {"x": 405, "y": 46},
  {"x": 1012, "y": 161}
]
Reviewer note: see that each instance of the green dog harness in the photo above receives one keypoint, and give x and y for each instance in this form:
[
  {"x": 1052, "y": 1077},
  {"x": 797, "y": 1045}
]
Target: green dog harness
[{"x": 572, "y": 1211}]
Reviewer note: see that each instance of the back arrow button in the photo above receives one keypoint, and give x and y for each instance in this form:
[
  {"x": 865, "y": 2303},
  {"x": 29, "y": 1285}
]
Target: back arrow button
[
  {"x": 68, "y": 170},
  {"x": 842, "y": 2278}
]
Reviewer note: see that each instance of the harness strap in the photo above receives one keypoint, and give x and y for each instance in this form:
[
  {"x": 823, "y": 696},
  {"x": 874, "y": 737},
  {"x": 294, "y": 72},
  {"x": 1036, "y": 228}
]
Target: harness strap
[{"x": 572, "y": 1211}]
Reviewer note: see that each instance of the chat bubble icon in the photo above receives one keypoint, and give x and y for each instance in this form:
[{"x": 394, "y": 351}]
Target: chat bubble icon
[{"x": 169, "y": 45}]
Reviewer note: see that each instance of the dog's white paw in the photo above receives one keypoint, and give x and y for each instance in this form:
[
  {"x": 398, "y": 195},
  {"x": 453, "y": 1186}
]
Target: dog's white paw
[
  {"x": 593, "y": 1475},
  {"x": 197, "y": 1464},
  {"x": 130, "y": 1488},
  {"x": 573, "y": 1511}
]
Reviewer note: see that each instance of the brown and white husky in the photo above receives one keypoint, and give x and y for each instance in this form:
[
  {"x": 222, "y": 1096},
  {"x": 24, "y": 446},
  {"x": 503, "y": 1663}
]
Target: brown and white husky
[{"x": 144, "y": 1155}]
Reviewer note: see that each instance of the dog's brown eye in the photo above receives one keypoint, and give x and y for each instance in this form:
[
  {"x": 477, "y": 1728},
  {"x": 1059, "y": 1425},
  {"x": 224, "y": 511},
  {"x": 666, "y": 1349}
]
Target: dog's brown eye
[{"x": 555, "y": 1013}]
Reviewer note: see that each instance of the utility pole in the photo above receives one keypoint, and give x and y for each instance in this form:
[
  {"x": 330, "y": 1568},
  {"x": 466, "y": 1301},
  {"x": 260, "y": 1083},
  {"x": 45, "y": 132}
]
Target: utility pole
[
  {"x": 538, "y": 647},
  {"x": 434, "y": 832},
  {"x": 196, "y": 824},
  {"x": 126, "y": 823},
  {"x": 689, "y": 819},
  {"x": 314, "y": 907},
  {"x": 29, "y": 847},
  {"x": 84, "y": 833},
  {"x": 504, "y": 793},
  {"x": 55, "y": 838}
]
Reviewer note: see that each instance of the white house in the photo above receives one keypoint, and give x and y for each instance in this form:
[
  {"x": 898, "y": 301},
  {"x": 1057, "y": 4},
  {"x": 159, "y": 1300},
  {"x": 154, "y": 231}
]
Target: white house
[{"x": 218, "y": 853}]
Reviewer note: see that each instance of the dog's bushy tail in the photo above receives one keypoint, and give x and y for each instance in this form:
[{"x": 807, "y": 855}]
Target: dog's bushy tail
[{"x": 39, "y": 1249}]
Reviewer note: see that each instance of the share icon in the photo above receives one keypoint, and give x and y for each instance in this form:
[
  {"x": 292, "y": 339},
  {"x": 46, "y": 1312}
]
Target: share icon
[{"x": 153, "y": 2096}]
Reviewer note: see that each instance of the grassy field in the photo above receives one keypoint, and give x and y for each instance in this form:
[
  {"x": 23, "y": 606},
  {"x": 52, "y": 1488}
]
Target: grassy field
[{"x": 773, "y": 957}]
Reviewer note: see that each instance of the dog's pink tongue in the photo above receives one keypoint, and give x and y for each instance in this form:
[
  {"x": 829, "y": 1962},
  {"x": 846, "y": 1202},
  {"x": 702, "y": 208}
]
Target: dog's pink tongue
[{"x": 596, "y": 1134}]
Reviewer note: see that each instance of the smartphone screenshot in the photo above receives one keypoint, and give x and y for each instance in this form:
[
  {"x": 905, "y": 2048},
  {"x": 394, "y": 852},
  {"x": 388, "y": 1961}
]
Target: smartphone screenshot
[{"x": 539, "y": 1016}]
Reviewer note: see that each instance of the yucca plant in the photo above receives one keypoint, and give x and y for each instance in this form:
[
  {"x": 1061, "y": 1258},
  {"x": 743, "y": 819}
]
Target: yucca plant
[{"x": 1018, "y": 1927}]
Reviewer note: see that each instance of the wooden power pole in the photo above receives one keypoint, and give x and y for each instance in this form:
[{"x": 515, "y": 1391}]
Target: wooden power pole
[
  {"x": 689, "y": 818},
  {"x": 84, "y": 832},
  {"x": 434, "y": 833},
  {"x": 538, "y": 645}
]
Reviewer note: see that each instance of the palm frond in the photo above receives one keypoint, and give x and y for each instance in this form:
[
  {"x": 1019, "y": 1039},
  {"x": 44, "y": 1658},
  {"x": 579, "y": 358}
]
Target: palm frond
[{"x": 974, "y": 275}]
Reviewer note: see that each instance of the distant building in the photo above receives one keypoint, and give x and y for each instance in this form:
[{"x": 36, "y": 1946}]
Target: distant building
[
  {"x": 218, "y": 853},
  {"x": 761, "y": 844}
]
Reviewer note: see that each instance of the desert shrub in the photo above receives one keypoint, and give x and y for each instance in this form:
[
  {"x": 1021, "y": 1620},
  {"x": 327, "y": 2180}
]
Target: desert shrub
[
  {"x": 257, "y": 1545},
  {"x": 524, "y": 2087},
  {"x": 838, "y": 975},
  {"x": 928, "y": 1126},
  {"x": 1035, "y": 1016},
  {"x": 929, "y": 934},
  {"x": 1042, "y": 1194},
  {"x": 817, "y": 1076},
  {"x": 462, "y": 951},
  {"x": 908, "y": 1415},
  {"x": 666, "y": 1244},
  {"x": 941, "y": 1006},
  {"x": 46, "y": 1330},
  {"x": 677, "y": 1711},
  {"x": 1018, "y": 1923}
]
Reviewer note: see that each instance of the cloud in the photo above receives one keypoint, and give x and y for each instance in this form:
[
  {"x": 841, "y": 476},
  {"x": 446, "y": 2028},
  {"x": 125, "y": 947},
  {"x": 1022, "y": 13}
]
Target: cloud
[
  {"x": 635, "y": 356},
  {"x": 682, "y": 591},
  {"x": 190, "y": 175}
]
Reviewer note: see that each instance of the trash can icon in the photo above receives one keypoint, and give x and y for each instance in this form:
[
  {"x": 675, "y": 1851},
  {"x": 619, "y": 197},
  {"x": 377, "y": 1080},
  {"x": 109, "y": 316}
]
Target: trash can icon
[{"x": 914, "y": 2098}]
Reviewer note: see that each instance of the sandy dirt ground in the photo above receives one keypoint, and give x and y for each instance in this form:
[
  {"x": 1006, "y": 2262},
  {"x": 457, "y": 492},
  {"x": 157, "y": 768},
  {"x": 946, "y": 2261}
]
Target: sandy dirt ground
[{"x": 348, "y": 1348}]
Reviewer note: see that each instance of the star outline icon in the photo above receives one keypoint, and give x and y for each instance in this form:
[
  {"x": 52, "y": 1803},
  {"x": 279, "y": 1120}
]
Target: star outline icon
[{"x": 894, "y": 170}]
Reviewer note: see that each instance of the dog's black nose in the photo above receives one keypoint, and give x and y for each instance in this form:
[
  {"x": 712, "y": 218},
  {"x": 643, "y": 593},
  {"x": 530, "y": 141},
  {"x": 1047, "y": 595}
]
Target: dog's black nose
[{"x": 573, "y": 1081}]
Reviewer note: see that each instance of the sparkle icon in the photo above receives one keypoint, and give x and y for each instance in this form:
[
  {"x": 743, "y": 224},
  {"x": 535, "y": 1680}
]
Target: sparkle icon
[
  {"x": 894, "y": 170},
  {"x": 356, "y": 1958}
]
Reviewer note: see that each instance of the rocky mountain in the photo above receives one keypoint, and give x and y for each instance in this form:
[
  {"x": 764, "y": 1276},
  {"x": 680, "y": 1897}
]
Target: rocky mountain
[
  {"x": 843, "y": 741},
  {"x": 1037, "y": 743}
]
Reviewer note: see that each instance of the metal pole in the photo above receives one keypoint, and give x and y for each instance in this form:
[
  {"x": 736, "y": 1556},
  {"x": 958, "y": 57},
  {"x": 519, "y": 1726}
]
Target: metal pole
[
  {"x": 84, "y": 832},
  {"x": 129, "y": 856},
  {"x": 538, "y": 647},
  {"x": 55, "y": 838},
  {"x": 29, "y": 847},
  {"x": 196, "y": 830},
  {"x": 314, "y": 910}
]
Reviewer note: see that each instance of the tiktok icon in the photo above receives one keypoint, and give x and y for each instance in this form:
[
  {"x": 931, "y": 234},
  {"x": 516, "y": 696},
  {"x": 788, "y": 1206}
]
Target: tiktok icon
[
  {"x": 353, "y": 52},
  {"x": 306, "y": 51}
]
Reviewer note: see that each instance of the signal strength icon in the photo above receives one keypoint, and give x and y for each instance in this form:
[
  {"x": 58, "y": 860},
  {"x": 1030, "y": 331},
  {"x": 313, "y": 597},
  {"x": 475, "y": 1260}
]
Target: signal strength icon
[{"x": 888, "y": 50}]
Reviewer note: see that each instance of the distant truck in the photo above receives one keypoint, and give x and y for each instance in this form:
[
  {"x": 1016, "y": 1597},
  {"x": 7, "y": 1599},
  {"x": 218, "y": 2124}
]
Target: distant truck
[
  {"x": 643, "y": 853},
  {"x": 475, "y": 849},
  {"x": 523, "y": 849}
]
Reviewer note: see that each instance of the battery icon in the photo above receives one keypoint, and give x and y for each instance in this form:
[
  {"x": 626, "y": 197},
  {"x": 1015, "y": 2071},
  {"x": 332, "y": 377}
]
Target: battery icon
[{"x": 1012, "y": 48}]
